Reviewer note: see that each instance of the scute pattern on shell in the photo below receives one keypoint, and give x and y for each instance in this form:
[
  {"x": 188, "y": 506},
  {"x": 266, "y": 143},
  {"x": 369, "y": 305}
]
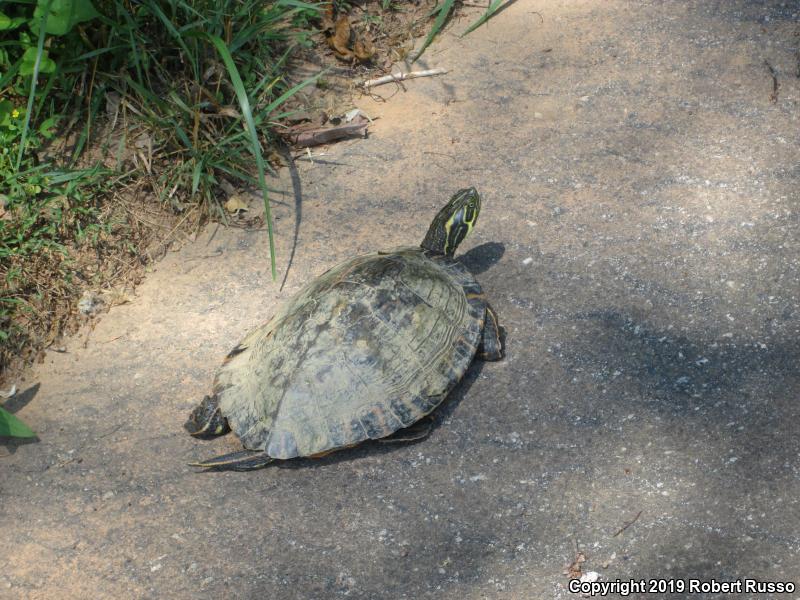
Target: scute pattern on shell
[{"x": 365, "y": 349}]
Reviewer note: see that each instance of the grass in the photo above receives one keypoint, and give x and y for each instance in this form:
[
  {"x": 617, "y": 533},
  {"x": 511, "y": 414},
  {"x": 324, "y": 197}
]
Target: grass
[
  {"x": 160, "y": 98},
  {"x": 444, "y": 10},
  {"x": 175, "y": 95}
]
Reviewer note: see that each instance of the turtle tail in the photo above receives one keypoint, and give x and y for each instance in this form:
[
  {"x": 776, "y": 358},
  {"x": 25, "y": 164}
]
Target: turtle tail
[{"x": 244, "y": 460}]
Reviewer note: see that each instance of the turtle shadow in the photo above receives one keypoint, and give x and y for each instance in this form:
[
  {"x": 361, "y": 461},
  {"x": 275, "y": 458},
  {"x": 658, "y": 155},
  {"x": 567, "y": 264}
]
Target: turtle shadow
[
  {"x": 481, "y": 258},
  {"x": 12, "y": 405},
  {"x": 439, "y": 416}
]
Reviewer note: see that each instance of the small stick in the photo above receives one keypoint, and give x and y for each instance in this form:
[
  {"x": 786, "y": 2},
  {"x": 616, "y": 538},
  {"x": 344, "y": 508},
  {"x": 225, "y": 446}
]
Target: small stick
[
  {"x": 402, "y": 76},
  {"x": 774, "y": 95},
  {"x": 624, "y": 527}
]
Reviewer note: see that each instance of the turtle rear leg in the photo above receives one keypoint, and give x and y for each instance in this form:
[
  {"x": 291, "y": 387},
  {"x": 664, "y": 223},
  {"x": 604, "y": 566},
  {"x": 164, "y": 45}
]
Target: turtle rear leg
[
  {"x": 244, "y": 460},
  {"x": 492, "y": 346}
]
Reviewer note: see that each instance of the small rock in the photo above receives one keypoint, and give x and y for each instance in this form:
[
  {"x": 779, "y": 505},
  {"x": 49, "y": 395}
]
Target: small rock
[
  {"x": 590, "y": 577},
  {"x": 108, "y": 495},
  {"x": 610, "y": 560},
  {"x": 90, "y": 304},
  {"x": 527, "y": 261}
]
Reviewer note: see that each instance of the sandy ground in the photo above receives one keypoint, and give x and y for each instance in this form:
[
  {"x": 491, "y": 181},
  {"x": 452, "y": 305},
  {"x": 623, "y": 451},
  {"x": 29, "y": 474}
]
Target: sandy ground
[{"x": 639, "y": 240}]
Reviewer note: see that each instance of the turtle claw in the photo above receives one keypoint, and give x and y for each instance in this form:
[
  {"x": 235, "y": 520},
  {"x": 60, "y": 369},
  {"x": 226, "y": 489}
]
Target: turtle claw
[
  {"x": 244, "y": 460},
  {"x": 492, "y": 345}
]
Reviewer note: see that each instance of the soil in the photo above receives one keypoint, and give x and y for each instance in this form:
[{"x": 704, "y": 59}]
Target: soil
[{"x": 639, "y": 241}]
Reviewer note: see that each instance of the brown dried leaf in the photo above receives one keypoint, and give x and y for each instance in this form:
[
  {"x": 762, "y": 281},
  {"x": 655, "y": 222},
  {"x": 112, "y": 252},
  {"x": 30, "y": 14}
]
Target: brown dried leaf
[
  {"x": 364, "y": 50},
  {"x": 574, "y": 570},
  {"x": 229, "y": 111},
  {"x": 236, "y": 204},
  {"x": 340, "y": 40}
]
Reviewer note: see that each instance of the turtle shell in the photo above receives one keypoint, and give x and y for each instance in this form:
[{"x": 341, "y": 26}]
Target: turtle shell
[{"x": 367, "y": 348}]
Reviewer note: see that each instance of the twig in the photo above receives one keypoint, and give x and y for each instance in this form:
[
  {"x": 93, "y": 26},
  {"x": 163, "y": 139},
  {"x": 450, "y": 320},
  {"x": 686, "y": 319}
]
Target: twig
[
  {"x": 624, "y": 527},
  {"x": 774, "y": 95},
  {"x": 402, "y": 76}
]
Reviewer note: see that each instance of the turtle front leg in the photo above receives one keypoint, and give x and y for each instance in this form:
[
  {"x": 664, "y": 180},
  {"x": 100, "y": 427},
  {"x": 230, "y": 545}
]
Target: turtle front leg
[{"x": 491, "y": 347}]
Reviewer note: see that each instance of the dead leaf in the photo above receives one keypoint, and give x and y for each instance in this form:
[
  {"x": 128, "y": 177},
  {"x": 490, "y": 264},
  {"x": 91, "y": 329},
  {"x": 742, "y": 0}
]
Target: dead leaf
[
  {"x": 117, "y": 297},
  {"x": 229, "y": 111},
  {"x": 328, "y": 14},
  {"x": 340, "y": 40},
  {"x": 236, "y": 205},
  {"x": 363, "y": 49},
  {"x": 574, "y": 570}
]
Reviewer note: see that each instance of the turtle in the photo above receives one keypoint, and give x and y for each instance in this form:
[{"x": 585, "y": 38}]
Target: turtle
[{"x": 364, "y": 351}]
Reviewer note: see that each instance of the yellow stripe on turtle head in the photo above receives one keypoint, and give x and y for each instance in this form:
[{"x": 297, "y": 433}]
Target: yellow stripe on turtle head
[{"x": 453, "y": 222}]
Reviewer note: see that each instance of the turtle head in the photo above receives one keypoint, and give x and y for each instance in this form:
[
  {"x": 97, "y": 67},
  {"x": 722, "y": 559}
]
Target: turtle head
[
  {"x": 453, "y": 222},
  {"x": 206, "y": 419}
]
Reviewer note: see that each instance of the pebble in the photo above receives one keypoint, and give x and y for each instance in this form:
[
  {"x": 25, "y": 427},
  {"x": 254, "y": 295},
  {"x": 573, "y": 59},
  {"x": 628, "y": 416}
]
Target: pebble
[
  {"x": 590, "y": 577},
  {"x": 527, "y": 261}
]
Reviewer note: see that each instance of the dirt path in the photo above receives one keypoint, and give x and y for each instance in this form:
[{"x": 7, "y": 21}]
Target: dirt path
[{"x": 639, "y": 240}]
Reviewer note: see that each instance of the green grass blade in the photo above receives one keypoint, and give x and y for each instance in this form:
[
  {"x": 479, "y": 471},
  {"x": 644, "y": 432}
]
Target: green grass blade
[
  {"x": 29, "y": 113},
  {"x": 247, "y": 114},
  {"x": 493, "y": 7},
  {"x": 444, "y": 12},
  {"x": 196, "y": 173},
  {"x": 178, "y": 37},
  {"x": 12, "y": 426},
  {"x": 298, "y": 4},
  {"x": 291, "y": 92}
]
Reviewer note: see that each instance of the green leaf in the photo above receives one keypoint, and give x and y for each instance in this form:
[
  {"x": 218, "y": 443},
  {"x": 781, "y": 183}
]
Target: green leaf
[
  {"x": 5, "y": 111},
  {"x": 64, "y": 14},
  {"x": 7, "y": 23},
  {"x": 47, "y": 127},
  {"x": 12, "y": 426},
  {"x": 47, "y": 65},
  {"x": 493, "y": 7},
  {"x": 438, "y": 24}
]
